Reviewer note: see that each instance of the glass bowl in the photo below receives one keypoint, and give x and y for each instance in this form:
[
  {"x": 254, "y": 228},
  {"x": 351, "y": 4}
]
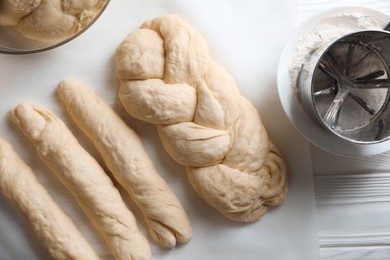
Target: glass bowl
[{"x": 14, "y": 42}]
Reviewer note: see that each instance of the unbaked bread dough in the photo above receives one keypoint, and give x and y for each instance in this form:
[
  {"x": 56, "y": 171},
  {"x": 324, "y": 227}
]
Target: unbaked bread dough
[
  {"x": 168, "y": 79},
  {"x": 85, "y": 178},
  {"x": 48, "y": 20},
  {"x": 12, "y": 11},
  {"x": 57, "y": 232},
  {"x": 125, "y": 156}
]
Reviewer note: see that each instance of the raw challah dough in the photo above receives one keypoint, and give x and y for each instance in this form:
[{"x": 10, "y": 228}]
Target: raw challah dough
[
  {"x": 48, "y": 20},
  {"x": 50, "y": 224},
  {"x": 168, "y": 79},
  {"x": 12, "y": 11},
  {"x": 85, "y": 178},
  {"x": 125, "y": 156}
]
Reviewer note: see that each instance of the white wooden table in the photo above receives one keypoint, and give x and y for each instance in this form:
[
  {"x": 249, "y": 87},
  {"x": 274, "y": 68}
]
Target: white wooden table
[
  {"x": 352, "y": 194},
  {"x": 353, "y": 205}
]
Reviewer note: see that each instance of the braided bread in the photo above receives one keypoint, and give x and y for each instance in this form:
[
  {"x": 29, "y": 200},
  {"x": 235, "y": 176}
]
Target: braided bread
[
  {"x": 48, "y": 20},
  {"x": 168, "y": 79}
]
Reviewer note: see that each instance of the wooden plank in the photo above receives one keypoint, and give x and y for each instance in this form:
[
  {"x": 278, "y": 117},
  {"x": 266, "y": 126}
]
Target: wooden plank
[
  {"x": 308, "y": 8},
  {"x": 359, "y": 252},
  {"x": 327, "y": 163},
  {"x": 353, "y": 208}
]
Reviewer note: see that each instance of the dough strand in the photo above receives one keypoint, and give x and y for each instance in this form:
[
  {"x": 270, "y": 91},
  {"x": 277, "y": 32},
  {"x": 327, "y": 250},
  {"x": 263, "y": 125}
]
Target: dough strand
[
  {"x": 125, "y": 156},
  {"x": 82, "y": 175},
  {"x": 56, "y": 231}
]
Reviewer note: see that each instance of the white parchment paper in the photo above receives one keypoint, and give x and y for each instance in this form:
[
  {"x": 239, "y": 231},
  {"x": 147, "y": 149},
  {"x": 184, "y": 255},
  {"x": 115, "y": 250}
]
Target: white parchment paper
[{"x": 246, "y": 37}]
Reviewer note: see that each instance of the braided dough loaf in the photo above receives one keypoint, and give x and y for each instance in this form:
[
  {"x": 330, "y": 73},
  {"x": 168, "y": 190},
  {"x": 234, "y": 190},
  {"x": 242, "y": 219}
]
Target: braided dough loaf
[
  {"x": 48, "y": 20},
  {"x": 85, "y": 178},
  {"x": 124, "y": 154},
  {"x": 168, "y": 79},
  {"x": 50, "y": 224}
]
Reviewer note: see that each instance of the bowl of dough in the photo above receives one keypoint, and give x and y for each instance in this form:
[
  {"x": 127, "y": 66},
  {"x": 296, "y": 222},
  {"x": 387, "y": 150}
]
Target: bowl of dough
[{"x": 30, "y": 26}]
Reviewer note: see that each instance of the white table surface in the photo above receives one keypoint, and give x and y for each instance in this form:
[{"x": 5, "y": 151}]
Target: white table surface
[{"x": 352, "y": 194}]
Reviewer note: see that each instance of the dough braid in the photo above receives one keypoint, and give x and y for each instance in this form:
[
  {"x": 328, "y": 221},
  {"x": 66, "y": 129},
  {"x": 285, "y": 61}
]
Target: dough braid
[{"x": 168, "y": 79}]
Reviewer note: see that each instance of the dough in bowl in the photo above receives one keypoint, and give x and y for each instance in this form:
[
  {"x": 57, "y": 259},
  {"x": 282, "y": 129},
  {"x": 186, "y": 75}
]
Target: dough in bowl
[
  {"x": 168, "y": 79},
  {"x": 48, "y": 20}
]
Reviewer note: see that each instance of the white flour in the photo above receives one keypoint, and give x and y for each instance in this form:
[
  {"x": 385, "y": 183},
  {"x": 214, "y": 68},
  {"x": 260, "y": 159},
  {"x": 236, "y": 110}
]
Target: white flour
[
  {"x": 328, "y": 29},
  {"x": 320, "y": 34}
]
